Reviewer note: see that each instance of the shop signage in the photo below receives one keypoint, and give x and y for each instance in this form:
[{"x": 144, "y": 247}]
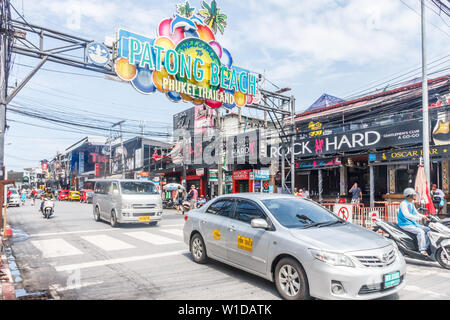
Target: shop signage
[
  {"x": 241, "y": 175},
  {"x": 200, "y": 172},
  {"x": 228, "y": 178},
  {"x": 81, "y": 162},
  {"x": 213, "y": 175},
  {"x": 410, "y": 154},
  {"x": 316, "y": 129},
  {"x": 401, "y": 133},
  {"x": 260, "y": 175},
  {"x": 318, "y": 163},
  {"x": 186, "y": 61}
]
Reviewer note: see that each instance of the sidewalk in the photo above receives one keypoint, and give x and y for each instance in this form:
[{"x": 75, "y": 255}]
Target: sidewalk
[{"x": 7, "y": 290}]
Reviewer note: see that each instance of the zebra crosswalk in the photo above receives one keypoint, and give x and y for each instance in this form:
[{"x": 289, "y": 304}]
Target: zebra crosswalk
[
  {"x": 74, "y": 245},
  {"x": 107, "y": 243},
  {"x": 54, "y": 249}
]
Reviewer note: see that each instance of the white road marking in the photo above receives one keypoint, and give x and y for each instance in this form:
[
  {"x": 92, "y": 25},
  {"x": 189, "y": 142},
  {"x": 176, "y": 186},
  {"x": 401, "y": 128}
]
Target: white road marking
[
  {"x": 95, "y": 230},
  {"x": 150, "y": 238},
  {"x": 71, "y": 267},
  {"x": 54, "y": 248},
  {"x": 107, "y": 243},
  {"x": 172, "y": 225},
  {"x": 175, "y": 232},
  {"x": 424, "y": 292},
  {"x": 70, "y": 232},
  {"x": 58, "y": 288}
]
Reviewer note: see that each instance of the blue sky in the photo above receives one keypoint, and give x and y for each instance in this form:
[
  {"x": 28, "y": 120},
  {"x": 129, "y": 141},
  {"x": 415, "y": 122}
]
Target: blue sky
[{"x": 338, "y": 47}]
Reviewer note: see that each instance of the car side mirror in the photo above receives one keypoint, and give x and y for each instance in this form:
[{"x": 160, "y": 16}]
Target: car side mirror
[{"x": 260, "y": 224}]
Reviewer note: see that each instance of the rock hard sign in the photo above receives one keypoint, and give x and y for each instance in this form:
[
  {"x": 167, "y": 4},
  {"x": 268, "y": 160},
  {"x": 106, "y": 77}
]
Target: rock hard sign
[{"x": 402, "y": 133}]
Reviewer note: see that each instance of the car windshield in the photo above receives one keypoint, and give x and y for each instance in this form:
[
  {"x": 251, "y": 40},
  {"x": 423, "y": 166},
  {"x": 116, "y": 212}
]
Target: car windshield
[
  {"x": 138, "y": 188},
  {"x": 297, "y": 213}
]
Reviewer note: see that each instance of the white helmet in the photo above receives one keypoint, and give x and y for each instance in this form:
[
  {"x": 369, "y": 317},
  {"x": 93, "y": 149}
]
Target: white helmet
[{"x": 409, "y": 192}]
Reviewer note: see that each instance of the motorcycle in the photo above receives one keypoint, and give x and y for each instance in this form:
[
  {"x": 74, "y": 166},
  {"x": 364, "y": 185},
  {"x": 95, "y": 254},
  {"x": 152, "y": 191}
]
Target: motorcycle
[
  {"x": 407, "y": 243},
  {"x": 168, "y": 204},
  {"x": 436, "y": 204},
  {"x": 48, "y": 209}
]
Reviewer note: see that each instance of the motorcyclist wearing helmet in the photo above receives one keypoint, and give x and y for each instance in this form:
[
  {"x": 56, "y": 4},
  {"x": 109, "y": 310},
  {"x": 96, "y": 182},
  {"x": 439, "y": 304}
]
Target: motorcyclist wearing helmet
[
  {"x": 408, "y": 219},
  {"x": 46, "y": 195}
]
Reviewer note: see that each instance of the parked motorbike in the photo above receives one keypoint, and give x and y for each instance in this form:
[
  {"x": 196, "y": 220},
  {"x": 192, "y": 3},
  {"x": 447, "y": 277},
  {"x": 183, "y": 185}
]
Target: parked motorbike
[
  {"x": 48, "y": 209},
  {"x": 168, "y": 204},
  {"x": 407, "y": 243}
]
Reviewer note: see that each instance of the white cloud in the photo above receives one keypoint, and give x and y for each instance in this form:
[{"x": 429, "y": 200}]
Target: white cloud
[{"x": 325, "y": 33}]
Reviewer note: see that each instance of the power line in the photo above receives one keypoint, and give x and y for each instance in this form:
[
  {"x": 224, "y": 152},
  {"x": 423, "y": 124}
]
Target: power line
[
  {"x": 418, "y": 13},
  {"x": 389, "y": 83}
]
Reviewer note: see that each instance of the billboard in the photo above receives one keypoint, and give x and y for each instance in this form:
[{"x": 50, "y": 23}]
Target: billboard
[
  {"x": 401, "y": 133},
  {"x": 186, "y": 61}
]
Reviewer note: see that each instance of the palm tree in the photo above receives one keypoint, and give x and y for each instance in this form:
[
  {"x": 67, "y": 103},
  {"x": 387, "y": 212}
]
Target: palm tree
[
  {"x": 212, "y": 16},
  {"x": 185, "y": 9}
]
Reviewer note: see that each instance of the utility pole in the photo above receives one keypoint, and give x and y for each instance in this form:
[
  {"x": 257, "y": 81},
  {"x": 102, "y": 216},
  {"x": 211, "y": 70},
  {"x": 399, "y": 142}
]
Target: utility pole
[
  {"x": 220, "y": 160},
  {"x": 110, "y": 152},
  {"x": 426, "y": 130},
  {"x": 123, "y": 153},
  {"x": 3, "y": 82},
  {"x": 121, "y": 145}
]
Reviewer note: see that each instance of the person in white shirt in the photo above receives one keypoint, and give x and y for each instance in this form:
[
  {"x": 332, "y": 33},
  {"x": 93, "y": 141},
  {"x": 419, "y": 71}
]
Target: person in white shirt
[{"x": 438, "y": 198}]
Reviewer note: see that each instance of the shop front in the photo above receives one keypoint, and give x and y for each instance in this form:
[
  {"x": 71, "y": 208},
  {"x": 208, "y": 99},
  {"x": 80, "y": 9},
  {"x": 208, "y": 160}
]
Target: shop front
[
  {"x": 242, "y": 182},
  {"x": 400, "y": 169},
  {"x": 260, "y": 180}
]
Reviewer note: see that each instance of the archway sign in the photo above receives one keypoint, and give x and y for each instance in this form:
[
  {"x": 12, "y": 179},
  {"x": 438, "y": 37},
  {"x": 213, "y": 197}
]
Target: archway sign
[{"x": 186, "y": 61}]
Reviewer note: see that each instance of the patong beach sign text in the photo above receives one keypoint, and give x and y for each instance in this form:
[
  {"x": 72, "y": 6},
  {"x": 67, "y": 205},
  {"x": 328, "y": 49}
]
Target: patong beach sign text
[{"x": 185, "y": 61}]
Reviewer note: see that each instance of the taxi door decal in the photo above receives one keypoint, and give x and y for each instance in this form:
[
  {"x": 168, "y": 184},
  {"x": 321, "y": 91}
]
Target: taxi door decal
[
  {"x": 216, "y": 234},
  {"x": 245, "y": 243}
]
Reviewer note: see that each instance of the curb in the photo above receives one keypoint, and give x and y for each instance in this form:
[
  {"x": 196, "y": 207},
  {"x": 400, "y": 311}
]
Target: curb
[{"x": 7, "y": 289}]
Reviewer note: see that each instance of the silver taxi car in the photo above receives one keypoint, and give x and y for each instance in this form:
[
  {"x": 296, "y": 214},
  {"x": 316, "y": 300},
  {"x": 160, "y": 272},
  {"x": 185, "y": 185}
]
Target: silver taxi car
[{"x": 305, "y": 249}]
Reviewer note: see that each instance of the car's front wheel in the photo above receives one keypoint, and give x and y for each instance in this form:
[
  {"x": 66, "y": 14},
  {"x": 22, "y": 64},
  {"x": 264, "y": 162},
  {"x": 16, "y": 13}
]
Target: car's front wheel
[
  {"x": 97, "y": 214},
  {"x": 198, "y": 249},
  {"x": 290, "y": 280},
  {"x": 113, "y": 220}
]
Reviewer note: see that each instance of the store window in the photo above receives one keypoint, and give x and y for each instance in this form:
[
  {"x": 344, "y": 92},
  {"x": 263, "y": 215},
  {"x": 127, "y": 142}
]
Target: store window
[{"x": 405, "y": 177}]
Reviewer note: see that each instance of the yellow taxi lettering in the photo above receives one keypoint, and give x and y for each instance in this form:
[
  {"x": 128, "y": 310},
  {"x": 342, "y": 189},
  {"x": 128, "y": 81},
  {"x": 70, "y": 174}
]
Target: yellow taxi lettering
[{"x": 245, "y": 243}]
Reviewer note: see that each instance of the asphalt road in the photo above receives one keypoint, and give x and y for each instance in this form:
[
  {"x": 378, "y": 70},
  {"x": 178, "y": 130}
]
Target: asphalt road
[{"x": 73, "y": 257}]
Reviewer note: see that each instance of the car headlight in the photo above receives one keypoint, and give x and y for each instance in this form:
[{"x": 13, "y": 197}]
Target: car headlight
[
  {"x": 126, "y": 206},
  {"x": 334, "y": 259}
]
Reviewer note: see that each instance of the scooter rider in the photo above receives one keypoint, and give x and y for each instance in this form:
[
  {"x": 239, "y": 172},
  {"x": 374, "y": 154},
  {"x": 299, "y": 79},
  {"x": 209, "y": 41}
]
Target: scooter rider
[
  {"x": 408, "y": 218},
  {"x": 47, "y": 194}
]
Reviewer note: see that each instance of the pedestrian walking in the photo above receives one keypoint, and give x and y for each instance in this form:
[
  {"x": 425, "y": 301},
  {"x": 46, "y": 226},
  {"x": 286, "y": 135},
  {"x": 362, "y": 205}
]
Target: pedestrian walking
[
  {"x": 356, "y": 193},
  {"x": 179, "y": 198},
  {"x": 33, "y": 196},
  {"x": 23, "y": 197},
  {"x": 192, "y": 197}
]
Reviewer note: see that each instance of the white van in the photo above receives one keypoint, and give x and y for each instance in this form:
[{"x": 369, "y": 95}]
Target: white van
[{"x": 126, "y": 201}]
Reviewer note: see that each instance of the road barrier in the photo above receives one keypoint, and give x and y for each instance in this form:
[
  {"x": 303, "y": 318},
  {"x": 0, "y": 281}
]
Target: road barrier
[{"x": 363, "y": 216}]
